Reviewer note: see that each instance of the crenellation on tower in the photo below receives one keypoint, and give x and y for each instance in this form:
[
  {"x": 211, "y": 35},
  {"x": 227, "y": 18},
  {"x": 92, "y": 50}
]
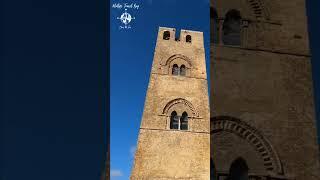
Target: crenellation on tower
[
  {"x": 196, "y": 37},
  {"x": 169, "y": 52}
]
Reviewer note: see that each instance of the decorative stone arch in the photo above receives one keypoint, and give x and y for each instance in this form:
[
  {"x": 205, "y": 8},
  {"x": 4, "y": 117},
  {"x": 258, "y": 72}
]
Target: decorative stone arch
[
  {"x": 177, "y": 56},
  {"x": 180, "y": 101},
  {"x": 268, "y": 154},
  {"x": 179, "y": 60},
  {"x": 257, "y": 9}
]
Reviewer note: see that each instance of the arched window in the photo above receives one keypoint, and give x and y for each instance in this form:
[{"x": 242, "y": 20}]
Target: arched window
[
  {"x": 175, "y": 70},
  {"x": 184, "y": 121},
  {"x": 188, "y": 38},
  {"x": 182, "y": 70},
  {"x": 214, "y": 26},
  {"x": 174, "y": 120},
  {"x": 166, "y": 35},
  {"x": 231, "y": 28},
  {"x": 238, "y": 170}
]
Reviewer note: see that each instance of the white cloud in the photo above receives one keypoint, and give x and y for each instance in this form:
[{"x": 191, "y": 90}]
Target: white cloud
[
  {"x": 132, "y": 150},
  {"x": 115, "y": 173}
]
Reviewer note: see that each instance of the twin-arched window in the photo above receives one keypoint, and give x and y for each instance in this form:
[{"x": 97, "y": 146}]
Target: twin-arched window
[
  {"x": 176, "y": 71},
  {"x": 179, "y": 122},
  {"x": 226, "y": 31}
]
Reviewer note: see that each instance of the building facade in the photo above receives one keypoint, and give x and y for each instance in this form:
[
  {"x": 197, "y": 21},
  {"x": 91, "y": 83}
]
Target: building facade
[
  {"x": 174, "y": 137},
  {"x": 261, "y": 101}
]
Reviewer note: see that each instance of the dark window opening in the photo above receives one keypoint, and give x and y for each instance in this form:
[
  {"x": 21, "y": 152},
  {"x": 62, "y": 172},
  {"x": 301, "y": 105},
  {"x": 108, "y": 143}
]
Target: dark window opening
[
  {"x": 174, "y": 120},
  {"x": 184, "y": 121},
  {"x": 188, "y": 38},
  {"x": 175, "y": 70},
  {"x": 231, "y": 28},
  {"x": 238, "y": 170},
  {"x": 166, "y": 35},
  {"x": 182, "y": 70}
]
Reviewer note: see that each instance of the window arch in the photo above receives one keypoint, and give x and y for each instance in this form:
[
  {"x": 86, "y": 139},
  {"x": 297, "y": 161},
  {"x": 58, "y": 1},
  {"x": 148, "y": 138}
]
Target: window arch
[
  {"x": 253, "y": 136},
  {"x": 188, "y": 38},
  {"x": 166, "y": 35},
  {"x": 238, "y": 170},
  {"x": 184, "y": 121},
  {"x": 180, "y": 111},
  {"x": 175, "y": 70},
  {"x": 180, "y": 102},
  {"x": 214, "y": 26},
  {"x": 182, "y": 70},
  {"x": 231, "y": 28},
  {"x": 174, "y": 120}
]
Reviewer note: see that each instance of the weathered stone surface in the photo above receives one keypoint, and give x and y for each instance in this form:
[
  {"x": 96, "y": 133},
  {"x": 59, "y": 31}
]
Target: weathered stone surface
[
  {"x": 264, "y": 87},
  {"x": 163, "y": 153}
]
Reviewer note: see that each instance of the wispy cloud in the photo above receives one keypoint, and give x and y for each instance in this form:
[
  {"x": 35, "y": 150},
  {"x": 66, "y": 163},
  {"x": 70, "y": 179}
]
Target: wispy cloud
[
  {"x": 115, "y": 173},
  {"x": 132, "y": 150}
]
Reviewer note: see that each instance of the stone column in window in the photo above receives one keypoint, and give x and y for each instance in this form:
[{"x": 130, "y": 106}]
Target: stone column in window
[
  {"x": 221, "y": 21},
  {"x": 244, "y": 33}
]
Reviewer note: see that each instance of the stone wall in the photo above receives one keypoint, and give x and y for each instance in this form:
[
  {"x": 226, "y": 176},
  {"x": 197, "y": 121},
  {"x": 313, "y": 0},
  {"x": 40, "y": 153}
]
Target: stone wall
[
  {"x": 164, "y": 153},
  {"x": 266, "y": 83}
]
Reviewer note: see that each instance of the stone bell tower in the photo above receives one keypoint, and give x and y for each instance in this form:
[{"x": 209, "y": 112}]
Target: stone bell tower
[
  {"x": 262, "y": 106},
  {"x": 174, "y": 138}
]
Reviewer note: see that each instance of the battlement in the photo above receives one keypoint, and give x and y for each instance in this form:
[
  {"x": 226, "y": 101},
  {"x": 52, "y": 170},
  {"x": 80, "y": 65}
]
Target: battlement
[{"x": 186, "y": 36}]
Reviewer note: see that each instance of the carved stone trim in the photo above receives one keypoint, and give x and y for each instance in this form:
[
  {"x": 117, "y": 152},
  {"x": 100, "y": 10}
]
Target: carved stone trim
[
  {"x": 268, "y": 154},
  {"x": 260, "y": 10},
  {"x": 173, "y": 57},
  {"x": 180, "y": 101}
]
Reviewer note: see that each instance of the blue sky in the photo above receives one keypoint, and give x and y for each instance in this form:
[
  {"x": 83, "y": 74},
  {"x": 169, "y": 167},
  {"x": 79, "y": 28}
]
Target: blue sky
[{"x": 131, "y": 60}]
